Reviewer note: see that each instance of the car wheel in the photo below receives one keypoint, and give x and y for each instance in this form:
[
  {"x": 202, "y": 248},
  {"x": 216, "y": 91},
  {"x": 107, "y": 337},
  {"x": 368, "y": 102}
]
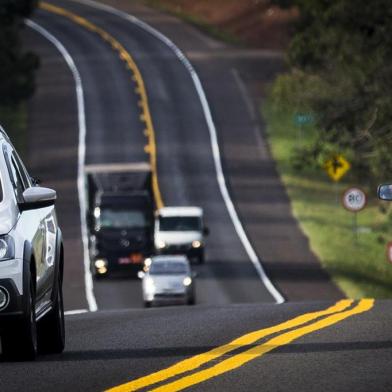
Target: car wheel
[
  {"x": 191, "y": 300},
  {"x": 147, "y": 304},
  {"x": 19, "y": 340},
  {"x": 51, "y": 330}
]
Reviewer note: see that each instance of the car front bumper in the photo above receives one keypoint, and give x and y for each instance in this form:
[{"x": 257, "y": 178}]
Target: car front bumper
[{"x": 14, "y": 306}]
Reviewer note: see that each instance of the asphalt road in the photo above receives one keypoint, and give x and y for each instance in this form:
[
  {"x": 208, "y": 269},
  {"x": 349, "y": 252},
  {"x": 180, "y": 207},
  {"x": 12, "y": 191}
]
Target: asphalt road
[
  {"x": 345, "y": 348},
  {"x": 186, "y": 169},
  {"x": 107, "y": 348}
]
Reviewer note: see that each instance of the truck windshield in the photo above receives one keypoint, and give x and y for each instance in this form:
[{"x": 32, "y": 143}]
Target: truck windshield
[
  {"x": 168, "y": 268},
  {"x": 180, "y": 223},
  {"x": 122, "y": 219}
]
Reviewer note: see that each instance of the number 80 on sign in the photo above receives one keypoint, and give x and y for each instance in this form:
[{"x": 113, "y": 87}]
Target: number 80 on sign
[{"x": 354, "y": 199}]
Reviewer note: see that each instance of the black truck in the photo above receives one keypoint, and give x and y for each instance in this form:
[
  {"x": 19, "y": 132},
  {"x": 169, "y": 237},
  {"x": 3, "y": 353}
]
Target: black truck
[{"x": 120, "y": 216}]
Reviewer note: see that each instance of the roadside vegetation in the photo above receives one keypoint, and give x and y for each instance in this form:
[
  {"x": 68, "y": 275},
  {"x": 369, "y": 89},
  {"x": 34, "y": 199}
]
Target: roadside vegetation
[
  {"x": 339, "y": 79},
  {"x": 16, "y": 69},
  {"x": 247, "y": 22}
]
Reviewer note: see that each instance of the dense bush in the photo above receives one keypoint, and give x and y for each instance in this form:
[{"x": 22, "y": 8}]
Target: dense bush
[{"x": 341, "y": 70}]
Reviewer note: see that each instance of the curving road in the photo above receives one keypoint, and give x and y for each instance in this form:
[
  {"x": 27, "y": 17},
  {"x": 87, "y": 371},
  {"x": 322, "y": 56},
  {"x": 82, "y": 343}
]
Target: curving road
[
  {"x": 186, "y": 169},
  {"x": 303, "y": 346}
]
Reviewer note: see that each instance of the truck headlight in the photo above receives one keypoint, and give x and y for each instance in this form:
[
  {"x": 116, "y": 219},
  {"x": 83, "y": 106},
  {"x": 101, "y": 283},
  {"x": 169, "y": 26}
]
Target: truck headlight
[
  {"x": 196, "y": 244},
  {"x": 161, "y": 244},
  {"x": 101, "y": 266},
  {"x": 7, "y": 248},
  {"x": 187, "y": 281}
]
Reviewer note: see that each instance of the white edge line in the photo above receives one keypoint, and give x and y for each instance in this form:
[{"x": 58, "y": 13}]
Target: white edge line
[
  {"x": 91, "y": 301},
  {"x": 76, "y": 311},
  {"x": 214, "y": 141}
]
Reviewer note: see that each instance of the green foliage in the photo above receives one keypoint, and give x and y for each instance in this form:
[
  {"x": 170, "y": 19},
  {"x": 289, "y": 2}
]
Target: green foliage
[
  {"x": 16, "y": 67},
  {"x": 356, "y": 263},
  {"x": 340, "y": 69}
]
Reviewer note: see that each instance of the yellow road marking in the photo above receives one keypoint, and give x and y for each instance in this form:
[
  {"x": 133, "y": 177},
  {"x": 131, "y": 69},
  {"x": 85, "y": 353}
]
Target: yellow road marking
[
  {"x": 137, "y": 77},
  {"x": 250, "y": 338},
  {"x": 258, "y": 351}
]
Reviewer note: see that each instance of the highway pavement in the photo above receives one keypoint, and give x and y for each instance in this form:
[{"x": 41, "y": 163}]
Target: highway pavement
[
  {"x": 236, "y": 338},
  {"x": 109, "y": 348},
  {"x": 186, "y": 169}
]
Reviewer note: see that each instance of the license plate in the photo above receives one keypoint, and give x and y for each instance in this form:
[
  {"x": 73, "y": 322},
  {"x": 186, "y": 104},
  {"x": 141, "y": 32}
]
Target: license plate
[
  {"x": 124, "y": 261},
  {"x": 134, "y": 258}
]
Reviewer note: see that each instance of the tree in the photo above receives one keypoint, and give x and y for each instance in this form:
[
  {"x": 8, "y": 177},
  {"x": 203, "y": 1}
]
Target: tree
[
  {"x": 342, "y": 53},
  {"x": 16, "y": 66}
]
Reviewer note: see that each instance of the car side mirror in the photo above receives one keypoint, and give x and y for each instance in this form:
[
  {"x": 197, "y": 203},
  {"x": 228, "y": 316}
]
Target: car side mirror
[
  {"x": 37, "y": 197},
  {"x": 141, "y": 274},
  {"x": 206, "y": 231},
  {"x": 384, "y": 192}
]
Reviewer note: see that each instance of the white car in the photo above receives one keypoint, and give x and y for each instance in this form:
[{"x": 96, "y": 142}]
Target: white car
[
  {"x": 167, "y": 280},
  {"x": 180, "y": 230},
  {"x": 31, "y": 262}
]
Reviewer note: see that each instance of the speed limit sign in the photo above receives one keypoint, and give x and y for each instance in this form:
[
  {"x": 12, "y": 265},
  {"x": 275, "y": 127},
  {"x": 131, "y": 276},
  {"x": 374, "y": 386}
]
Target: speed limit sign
[{"x": 354, "y": 199}]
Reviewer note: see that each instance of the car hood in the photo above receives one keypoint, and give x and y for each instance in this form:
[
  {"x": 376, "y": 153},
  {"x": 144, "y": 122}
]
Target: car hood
[
  {"x": 178, "y": 237},
  {"x": 169, "y": 283},
  {"x": 7, "y": 217}
]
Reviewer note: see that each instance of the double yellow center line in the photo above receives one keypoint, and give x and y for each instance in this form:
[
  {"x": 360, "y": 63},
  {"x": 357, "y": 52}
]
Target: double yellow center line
[
  {"x": 290, "y": 331},
  {"x": 140, "y": 89}
]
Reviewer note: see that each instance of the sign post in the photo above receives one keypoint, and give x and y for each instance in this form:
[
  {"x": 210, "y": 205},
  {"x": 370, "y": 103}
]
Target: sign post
[
  {"x": 354, "y": 200},
  {"x": 301, "y": 119}
]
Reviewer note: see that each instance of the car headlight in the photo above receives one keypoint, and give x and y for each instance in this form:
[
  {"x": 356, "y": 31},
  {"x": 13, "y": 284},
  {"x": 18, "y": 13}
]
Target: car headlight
[
  {"x": 187, "y": 281},
  {"x": 100, "y": 263},
  {"x": 7, "y": 248},
  {"x": 161, "y": 244},
  {"x": 196, "y": 244}
]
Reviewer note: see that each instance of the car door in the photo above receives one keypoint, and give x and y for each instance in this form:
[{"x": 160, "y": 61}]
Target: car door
[
  {"x": 45, "y": 239},
  {"x": 28, "y": 221}
]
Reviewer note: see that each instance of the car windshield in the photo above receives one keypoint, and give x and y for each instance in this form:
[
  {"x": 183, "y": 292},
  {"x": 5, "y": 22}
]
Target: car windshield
[
  {"x": 168, "y": 268},
  {"x": 122, "y": 219},
  {"x": 183, "y": 223}
]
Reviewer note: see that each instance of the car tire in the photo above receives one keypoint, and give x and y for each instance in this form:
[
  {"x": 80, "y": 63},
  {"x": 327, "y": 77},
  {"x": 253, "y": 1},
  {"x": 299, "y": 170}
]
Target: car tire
[
  {"x": 51, "y": 329},
  {"x": 147, "y": 304},
  {"x": 19, "y": 340},
  {"x": 191, "y": 300}
]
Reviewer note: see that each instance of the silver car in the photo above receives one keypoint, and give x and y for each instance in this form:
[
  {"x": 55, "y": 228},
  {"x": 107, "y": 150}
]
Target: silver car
[
  {"x": 167, "y": 280},
  {"x": 31, "y": 262}
]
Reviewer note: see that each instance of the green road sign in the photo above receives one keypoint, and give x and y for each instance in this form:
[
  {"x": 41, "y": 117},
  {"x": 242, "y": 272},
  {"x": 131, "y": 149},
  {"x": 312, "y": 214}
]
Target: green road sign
[{"x": 303, "y": 118}]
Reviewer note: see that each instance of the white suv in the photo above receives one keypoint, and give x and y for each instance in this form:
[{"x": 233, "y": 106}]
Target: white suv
[{"x": 31, "y": 262}]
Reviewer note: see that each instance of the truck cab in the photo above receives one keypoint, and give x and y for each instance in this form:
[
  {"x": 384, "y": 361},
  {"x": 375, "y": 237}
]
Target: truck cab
[
  {"x": 120, "y": 217},
  {"x": 180, "y": 230}
]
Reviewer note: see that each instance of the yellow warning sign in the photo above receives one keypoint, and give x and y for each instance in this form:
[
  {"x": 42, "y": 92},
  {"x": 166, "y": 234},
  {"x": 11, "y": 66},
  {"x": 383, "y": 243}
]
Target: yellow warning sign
[{"x": 337, "y": 167}]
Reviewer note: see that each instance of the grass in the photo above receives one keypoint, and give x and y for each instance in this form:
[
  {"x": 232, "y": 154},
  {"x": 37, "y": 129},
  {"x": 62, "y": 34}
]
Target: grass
[
  {"x": 357, "y": 265},
  {"x": 14, "y": 122},
  {"x": 196, "y": 21}
]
